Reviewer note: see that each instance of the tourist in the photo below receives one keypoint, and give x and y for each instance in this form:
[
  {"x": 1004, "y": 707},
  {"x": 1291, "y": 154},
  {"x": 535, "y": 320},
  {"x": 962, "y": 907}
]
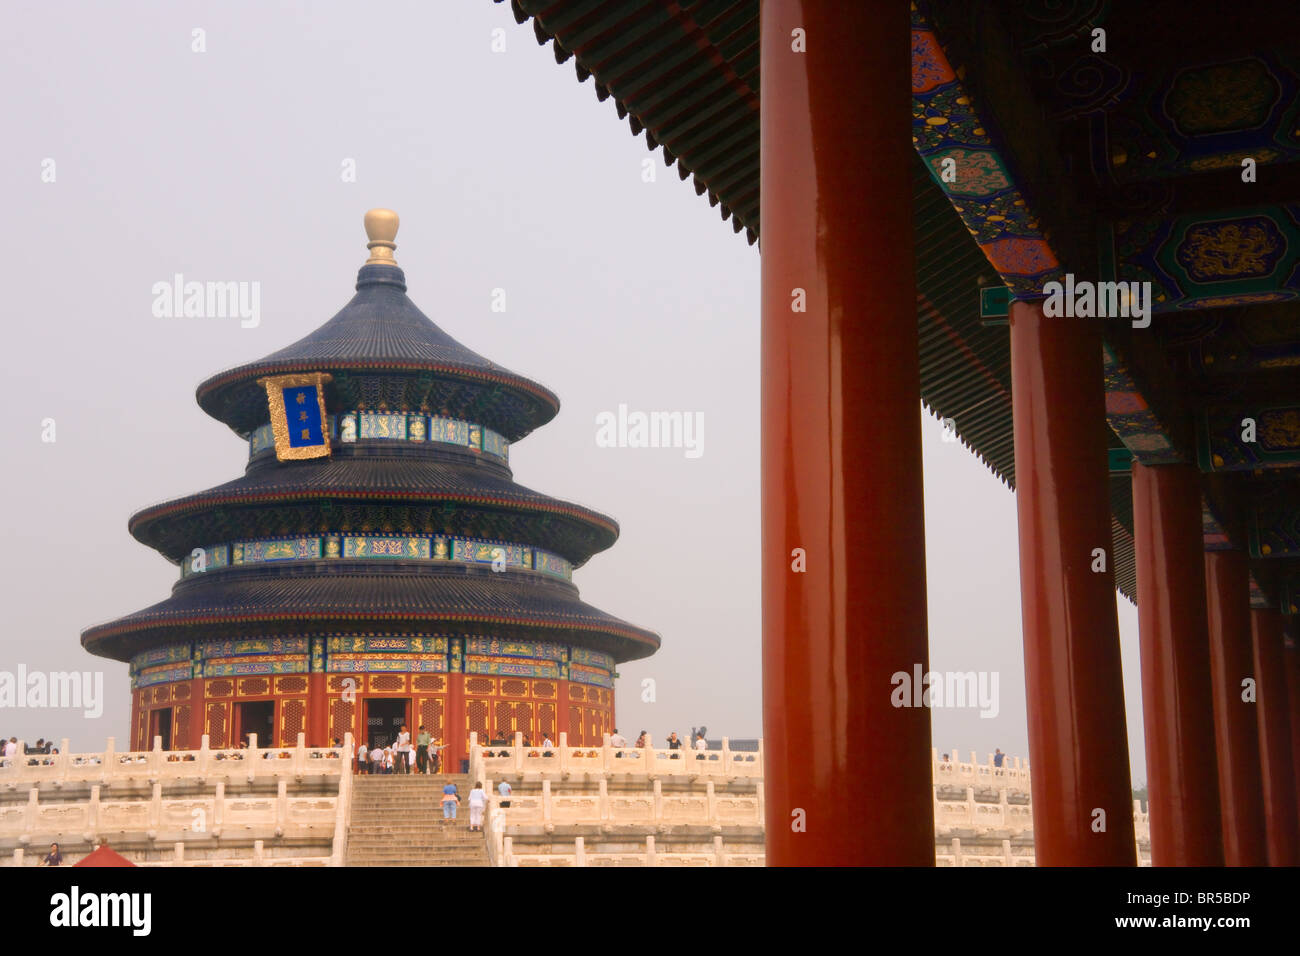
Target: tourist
[
  {"x": 435, "y": 756},
  {"x": 617, "y": 740},
  {"x": 997, "y": 757},
  {"x": 945, "y": 758},
  {"x": 700, "y": 745},
  {"x": 53, "y": 858},
  {"x": 422, "y": 751},
  {"x": 503, "y": 789},
  {"x": 362, "y": 758},
  {"x": 400, "y": 760},
  {"x": 643, "y": 740},
  {"x": 376, "y": 760},
  {"x": 477, "y": 804},
  {"x": 674, "y": 744},
  {"x": 547, "y": 745},
  {"x": 11, "y": 747},
  {"x": 450, "y": 801}
]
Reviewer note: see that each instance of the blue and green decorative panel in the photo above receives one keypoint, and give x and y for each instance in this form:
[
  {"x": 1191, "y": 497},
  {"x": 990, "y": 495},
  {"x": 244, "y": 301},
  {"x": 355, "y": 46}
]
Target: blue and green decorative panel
[
  {"x": 1237, "y": 257},
  {"x": 1200, "y": 118},
  {"x": 1274, "y": 521},
  {"x": 949, "y": 131},
  {"x": 161, "y": 674},
  {"x": 386, "y": 664},
  {"x": 1220, "y": 446},
  {"x": 553, "y": 565},
  {"x": 170, "y": 654},
  {"x": 511, "y": 667},
  {"x": 494, "y": 444},
  {"x": 215, "y": 557},
  {"x": 496, "y": 647},
  {"x": 582, "y": 674},
  {"x": 452, "y": 431},
  {"x": 581, "y": 655},
  {"x": 411, "y": 547},
  {"x": 246, "y": 666},
  {"x": 380, "y": 425},
  {"x": 251, "y": 646},
  {"x": 387, "y": 643},
  {"x": 474, "y": 551},
  {"x": 275, "y": 549},
  {"x": 262, "y": 439}
]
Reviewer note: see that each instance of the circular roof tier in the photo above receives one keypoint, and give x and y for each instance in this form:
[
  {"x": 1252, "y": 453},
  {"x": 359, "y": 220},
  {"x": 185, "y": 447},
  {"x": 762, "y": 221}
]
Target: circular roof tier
[
  {"x": 320, "y": 494},
  {"x": 347, "y": 597},
  {"x": 382, "y": 332}
]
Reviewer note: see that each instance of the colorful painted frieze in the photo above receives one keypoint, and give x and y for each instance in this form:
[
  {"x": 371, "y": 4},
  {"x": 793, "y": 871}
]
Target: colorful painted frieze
[
  {"x": 258, "y": 645},
  {"x": 275, "y": 549},
  {"x": 379, "y": 425},
  {"x": 269, "y": 664},
  {"x": 170, "y": 654},
  {"x": 581, "y": 655},
  {"x": 590, "y": 675},
  {"x": 417, "y": 427},
  {"x": 511, "y": 667},
  {"x": 494, "y": 647},
  {"x": 201, "y": 560},
  {"x": 552, "y": 564},
  {"x": 474, "y": 551},
  {"x": 162, "y": 674},
  {"x": 371, "y": 643},
  {"x": 348, "y": 428},
  {"x": 381, "y": 546},
  {"x": 494, "y": 444},
  {"x": 262, "y": 439},
  {"x": 390, "y": 663}
]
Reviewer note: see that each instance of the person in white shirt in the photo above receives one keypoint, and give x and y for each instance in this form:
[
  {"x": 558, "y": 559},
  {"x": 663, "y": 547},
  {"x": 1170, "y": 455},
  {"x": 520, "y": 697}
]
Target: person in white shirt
[
  {"x": 11, "y": 746},
  {"x": 477, "y": 804},
  {"x": 504, "y": 789},
  {"x": 376, "y": 761},
  {"x": 362, "y": 753},
  {"x": 401, "y": 764},
  {"x": 616, "y": 739},
  {"x": 700, "y": 743}
]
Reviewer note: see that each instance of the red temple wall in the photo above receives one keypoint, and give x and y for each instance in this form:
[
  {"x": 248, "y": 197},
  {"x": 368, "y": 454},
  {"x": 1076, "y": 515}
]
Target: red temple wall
[{"x": 493, "y": 706}]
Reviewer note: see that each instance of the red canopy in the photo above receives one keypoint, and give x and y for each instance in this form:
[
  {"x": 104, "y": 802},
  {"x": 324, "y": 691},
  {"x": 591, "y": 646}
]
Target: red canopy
[{"x": 104, "y": 855}]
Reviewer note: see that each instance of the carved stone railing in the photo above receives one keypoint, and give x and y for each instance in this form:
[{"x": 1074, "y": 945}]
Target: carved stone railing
[
  {"x": 563, "y": 761},
  {"x": 157, "y": 764},
  {"x": 108, "y": 802}
]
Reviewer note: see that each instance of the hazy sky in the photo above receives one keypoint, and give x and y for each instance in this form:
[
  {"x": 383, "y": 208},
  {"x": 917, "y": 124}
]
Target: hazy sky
[{"x": 226, "y": 165}]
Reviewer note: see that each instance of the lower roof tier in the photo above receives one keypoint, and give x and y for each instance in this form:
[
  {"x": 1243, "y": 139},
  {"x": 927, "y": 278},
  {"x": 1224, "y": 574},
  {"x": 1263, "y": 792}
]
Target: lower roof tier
[
  {"x": 345, "y": 596},
  {"x": 368, "y": 494}
]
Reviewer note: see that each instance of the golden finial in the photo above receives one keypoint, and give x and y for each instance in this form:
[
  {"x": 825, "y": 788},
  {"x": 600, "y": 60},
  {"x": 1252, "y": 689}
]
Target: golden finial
[{"x": 381, "y": 229}]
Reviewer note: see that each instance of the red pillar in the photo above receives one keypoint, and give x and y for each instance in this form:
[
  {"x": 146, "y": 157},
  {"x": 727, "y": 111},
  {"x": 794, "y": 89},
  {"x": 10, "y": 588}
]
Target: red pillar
[
  {"x": 1177, "y": 700},
  {"x": 841, "y": 449},
  {"x": 1078, "y": 739},
  {"x": 196, "y": 703},
  {"x": 1291, "y": 661},
  {"x": 1272, "y": 711},
  {"x": 456, "y": 736},
  {"x": 1236, "y": 734},
  {"x": 318, "y": 711}
]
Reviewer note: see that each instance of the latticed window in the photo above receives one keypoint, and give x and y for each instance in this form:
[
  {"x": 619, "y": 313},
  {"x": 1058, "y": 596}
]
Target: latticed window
[
  {"x": 181, "y": 727},
  {"x": 254, "y": 686},
  {"x": 388, "y": 682},
  {"x": 546, "y": 719},
  {"x": 514, "y": 688},
  {"x": 431, "y": 709},
  {"x": 291, "y": 685},
  {"x": 216, "y": 725},
  {"x": 341, "y": 716},
  {"x": 480, "y": 685},
  {"x": 429, "y": 683},
  {"x": 543, "y": 688},
  {"x": 220, "y": 688},
  {"x": 576, "y": 735},
  {"x": 293, "y": 721},
  {"x": 476, "y": 714}
]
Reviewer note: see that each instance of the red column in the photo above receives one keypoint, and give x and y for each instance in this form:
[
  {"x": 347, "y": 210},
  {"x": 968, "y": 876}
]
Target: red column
[
  {"x": 318, "y": 711},
  {"x": 456, "y": 736},
  {"x": 1236, "y": 734},
  {"x": 1177, "y": 700},
  {"x": 197, "y": 713},
  {"x": 1272, "y": 711},
  {"x": 1078, "y": 739},
  {"x": 1291, "y": 661},
  {"x": 841, "y": 449}
]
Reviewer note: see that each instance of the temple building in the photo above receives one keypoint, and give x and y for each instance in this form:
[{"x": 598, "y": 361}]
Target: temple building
[{"x": 376, "y": 564}]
